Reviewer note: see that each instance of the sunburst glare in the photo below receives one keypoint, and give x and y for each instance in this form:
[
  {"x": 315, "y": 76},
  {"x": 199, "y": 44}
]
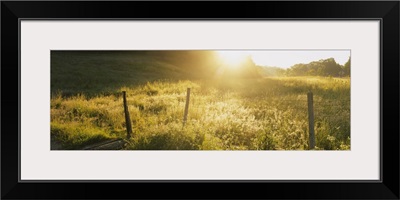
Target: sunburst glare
[{"x": 232, "y": 59}]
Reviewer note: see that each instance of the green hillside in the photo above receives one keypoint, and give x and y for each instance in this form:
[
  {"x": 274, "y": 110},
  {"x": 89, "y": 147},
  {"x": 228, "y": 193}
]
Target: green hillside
[
  {"x": 101, "y": 72},
  {"x": 91, "y": 72}
]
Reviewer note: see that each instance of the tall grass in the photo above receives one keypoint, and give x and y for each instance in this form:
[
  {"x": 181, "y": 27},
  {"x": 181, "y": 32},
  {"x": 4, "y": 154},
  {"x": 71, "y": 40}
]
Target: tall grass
[{"x": 224, "y": 114}]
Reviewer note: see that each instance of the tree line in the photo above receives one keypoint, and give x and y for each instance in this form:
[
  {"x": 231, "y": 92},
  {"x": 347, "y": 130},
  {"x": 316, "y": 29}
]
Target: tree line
[
  {"x": 202, "y": 63},
  {"x": 323, "y": 67}
]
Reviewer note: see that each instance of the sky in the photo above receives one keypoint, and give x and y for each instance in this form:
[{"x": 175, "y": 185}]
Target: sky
[{"x": 287, "y": 58}]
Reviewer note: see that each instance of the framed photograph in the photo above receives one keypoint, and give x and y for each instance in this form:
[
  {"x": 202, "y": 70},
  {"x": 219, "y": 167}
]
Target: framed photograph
[{"x": 300, "y": 98}]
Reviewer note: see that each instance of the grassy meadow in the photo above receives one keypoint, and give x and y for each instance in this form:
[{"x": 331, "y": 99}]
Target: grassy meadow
[{"x": 226, "y": 113}]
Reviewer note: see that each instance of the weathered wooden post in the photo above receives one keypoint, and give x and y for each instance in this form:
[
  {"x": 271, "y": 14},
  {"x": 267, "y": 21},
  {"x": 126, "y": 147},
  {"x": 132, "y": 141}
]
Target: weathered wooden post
[
  {"x": 127, "y": 117},
  {"x": 311, "y": 120},
  {"x": 186, "y": 106}
]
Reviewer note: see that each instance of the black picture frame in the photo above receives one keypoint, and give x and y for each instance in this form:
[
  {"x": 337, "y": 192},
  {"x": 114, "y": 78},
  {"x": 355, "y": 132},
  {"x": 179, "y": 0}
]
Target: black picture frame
[{"x": 13, "y": 11}]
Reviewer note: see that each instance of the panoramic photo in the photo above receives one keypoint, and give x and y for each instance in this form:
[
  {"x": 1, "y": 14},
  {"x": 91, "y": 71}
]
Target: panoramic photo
[{"x": 200, "y": 100}]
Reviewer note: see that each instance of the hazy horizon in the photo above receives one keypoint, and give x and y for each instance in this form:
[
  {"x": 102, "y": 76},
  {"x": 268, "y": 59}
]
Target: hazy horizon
[{"x": 287, "y": 58}]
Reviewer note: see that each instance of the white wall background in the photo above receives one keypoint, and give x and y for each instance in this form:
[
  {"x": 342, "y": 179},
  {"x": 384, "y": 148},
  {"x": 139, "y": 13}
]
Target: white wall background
[{"x": 39, "y": 163}]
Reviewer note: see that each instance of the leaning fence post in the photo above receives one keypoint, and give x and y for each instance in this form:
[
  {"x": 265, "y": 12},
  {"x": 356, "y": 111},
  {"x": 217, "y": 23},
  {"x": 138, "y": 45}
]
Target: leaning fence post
[
  {"x": 186, "y": 106},
  {"x": 311, "y": 120},
  {"x": 127, "y": 117}
]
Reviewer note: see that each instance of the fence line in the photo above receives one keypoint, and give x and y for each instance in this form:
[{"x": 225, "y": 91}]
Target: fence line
[{"x": 311, "y": 110}]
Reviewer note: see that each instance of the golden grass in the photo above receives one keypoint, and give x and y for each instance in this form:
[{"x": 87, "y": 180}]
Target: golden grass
[{"x": 241, "y": 114}]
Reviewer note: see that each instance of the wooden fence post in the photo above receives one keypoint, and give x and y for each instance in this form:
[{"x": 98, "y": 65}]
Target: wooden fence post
[
  {"x": 311, "y": 120},
  {"x": 127, "y": 117},
  {"x": 186, "y": 106}
]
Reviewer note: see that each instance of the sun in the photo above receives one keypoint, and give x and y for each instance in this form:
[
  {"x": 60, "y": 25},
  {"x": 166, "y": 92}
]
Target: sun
[{"x": 232, "y": 59}]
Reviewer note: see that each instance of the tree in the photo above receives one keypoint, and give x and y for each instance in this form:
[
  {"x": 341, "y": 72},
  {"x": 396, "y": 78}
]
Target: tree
[
  {"x": 346, "y": 68},
  {"x": 324, "y": 67},
  {"x": 332, "y": 68}
]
